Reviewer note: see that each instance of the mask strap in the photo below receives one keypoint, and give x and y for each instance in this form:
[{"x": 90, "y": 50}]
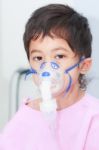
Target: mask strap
[
  {"x": 69, "y": 69},
  {"x": 30, "y": 71},
  {"x": 75, "y": 65},
  {"x": 70, "y": 83}
]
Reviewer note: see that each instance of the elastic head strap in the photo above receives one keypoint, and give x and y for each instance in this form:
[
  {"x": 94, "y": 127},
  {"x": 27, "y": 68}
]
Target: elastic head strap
[
  {"x": 69, "y": 69},
  {"x": 30, "y": 71},
  {"x": 75, "y": 65},
  {"x": 70, "y": 83}
]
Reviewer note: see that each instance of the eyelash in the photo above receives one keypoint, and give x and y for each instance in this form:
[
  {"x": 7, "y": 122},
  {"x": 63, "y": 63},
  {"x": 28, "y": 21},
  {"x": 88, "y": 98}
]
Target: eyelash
[
  {"x": 39, "y": 58},
  {"x": 61, "y": 56}
]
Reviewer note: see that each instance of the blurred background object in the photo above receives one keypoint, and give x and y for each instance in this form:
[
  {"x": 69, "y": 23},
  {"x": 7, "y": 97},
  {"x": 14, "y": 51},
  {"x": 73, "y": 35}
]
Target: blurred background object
[{"x": 13, "y": 17}]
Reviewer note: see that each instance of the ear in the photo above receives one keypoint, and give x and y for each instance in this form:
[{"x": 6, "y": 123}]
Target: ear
[{"x": 85, "y": 65}]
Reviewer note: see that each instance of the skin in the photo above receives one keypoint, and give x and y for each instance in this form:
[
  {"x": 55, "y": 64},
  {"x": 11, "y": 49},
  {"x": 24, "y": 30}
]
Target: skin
[{"x": 57, "y": 49}]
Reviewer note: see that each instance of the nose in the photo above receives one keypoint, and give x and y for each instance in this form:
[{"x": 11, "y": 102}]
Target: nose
[
  {"x": 51, "y": 64},
  {"x": 54, "y": 65}
]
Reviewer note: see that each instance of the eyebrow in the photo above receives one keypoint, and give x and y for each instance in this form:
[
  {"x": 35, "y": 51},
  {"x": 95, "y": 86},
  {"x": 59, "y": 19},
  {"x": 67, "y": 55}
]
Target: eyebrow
[{"x": 55, "y": 49}]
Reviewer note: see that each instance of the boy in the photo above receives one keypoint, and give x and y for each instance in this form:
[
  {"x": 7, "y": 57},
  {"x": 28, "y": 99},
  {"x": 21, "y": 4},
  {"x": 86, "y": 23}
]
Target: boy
[{"x": 57, "y": 41}]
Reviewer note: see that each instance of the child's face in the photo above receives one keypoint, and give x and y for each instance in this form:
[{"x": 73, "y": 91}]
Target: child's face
[{"x": 54, "y": 49}]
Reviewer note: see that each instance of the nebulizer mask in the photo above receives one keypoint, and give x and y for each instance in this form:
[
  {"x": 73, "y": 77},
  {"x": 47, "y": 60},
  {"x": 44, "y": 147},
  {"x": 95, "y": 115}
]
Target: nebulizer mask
[{"x": 51, "y": 82}]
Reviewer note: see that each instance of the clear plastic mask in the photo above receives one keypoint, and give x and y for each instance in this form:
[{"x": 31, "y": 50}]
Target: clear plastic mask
[{"x": 51, "y": 72}]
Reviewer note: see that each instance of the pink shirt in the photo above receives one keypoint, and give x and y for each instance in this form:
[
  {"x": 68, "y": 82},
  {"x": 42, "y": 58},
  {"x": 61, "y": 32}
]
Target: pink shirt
[{"x": 77, "y": 128}]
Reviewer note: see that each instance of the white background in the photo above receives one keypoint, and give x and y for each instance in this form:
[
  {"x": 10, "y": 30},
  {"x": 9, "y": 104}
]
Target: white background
[{"x": 13, "y": 16}]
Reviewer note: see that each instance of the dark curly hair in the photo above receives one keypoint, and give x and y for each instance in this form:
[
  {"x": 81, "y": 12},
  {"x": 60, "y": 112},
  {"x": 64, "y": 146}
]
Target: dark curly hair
[{"x": 64, "y": 22}]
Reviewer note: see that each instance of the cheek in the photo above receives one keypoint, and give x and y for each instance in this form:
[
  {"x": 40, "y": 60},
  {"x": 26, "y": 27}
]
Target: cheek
[
  {"x": 36, "y": 79},
  {"x": 75, "y": 75}
]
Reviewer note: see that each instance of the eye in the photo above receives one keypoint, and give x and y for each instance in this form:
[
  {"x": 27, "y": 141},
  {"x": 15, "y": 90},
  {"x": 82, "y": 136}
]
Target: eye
[
  {"x": 37, "y": 58},
  {"x": 60, "y": 56}
]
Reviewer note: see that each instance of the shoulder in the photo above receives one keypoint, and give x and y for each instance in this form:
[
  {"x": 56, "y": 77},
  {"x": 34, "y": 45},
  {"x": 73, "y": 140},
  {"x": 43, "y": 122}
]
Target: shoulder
[
  {"x": 92, "y": 141},
  {"x": 26, "y": 116},
  {"x": 34, "y": 104},
  {"x": 93, "y": 103},
  {"x": 25, "y": 123}
]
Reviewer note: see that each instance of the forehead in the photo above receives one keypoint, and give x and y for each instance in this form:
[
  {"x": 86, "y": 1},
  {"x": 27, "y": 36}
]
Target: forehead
[{"x": 47, "y": 44}]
